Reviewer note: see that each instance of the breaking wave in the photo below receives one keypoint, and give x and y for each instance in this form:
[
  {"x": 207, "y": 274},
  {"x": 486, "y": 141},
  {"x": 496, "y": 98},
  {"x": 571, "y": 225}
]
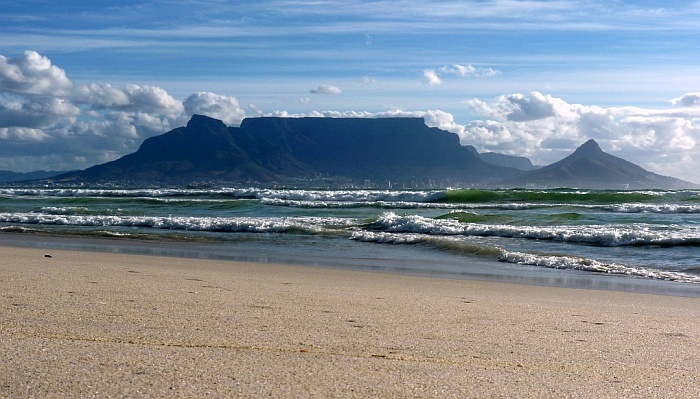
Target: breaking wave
[
  {"x": 599, "y": 235},
  {"x": 664, "y": 202},
  {"x": 453, "y": 244},
  {"x": 590, "y": 265},
  {"x": 309, "y": 225}
]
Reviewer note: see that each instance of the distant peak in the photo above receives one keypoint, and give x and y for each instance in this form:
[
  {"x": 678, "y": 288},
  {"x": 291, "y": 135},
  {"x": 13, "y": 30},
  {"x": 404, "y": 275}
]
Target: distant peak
[
  {"x": 202, "y": 121},
  {"x": 589, "y": 147}
]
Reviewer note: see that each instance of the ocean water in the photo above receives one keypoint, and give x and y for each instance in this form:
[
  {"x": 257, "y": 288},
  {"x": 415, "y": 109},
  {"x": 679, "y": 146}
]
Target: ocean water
[{"x": 649, "y": 236}]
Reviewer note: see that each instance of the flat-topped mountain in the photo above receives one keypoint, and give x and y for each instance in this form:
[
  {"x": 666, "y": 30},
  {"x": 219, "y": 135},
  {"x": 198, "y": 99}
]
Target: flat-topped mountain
[
  {"x": 590, "y": 167},
  {"x": 285, "y": 150},
  {"x": 337, "y": 152}
]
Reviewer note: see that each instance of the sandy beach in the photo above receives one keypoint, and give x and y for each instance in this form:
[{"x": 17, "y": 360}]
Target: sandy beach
[{"x": 84, "y": 324}]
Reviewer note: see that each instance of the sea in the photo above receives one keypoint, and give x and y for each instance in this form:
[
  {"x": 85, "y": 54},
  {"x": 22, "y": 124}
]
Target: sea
[{"x": 640, "y": 241}]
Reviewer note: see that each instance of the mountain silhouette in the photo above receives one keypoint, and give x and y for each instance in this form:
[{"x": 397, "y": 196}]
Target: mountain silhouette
[
  {"x": 590, "y": 167},
  {"x": 510, "y": 161},
  {"x": 298, "y": 150},
  {"x": 338, "y": 152}
]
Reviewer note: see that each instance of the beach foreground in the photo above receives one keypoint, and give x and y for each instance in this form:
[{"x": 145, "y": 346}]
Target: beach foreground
[{"x": 83, "y": 324}]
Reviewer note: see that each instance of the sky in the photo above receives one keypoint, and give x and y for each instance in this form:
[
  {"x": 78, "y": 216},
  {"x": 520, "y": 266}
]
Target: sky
[{"x": 83, "y": 83}]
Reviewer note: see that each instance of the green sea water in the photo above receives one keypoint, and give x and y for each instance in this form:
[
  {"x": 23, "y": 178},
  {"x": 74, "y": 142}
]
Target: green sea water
[{"x": 635, "y": 235}]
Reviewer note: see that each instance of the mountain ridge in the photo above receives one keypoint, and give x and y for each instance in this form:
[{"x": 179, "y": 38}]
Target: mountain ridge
[
  {"x": 591, "y": 167},
  {"x": 381, "y": 152},
  {"x": 296, "y": 150}
]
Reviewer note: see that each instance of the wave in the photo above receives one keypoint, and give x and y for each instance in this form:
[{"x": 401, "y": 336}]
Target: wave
[
  {"x": 357, "y": 204},
  {"x": 65, "y": 210},
  {"x": 590, "y": 265},
  {"x": 653, "y": 208},
  {"x": 452, "y": 244},
  {"x": 549, "y": 261},
  {"x": 663, "y": 202},
  {"x": 310, "y": 225},
  {"x": 618, "y": 208},
  {"x": 569, "y": 196},
  {"x": 352, "y": 195},
  {"x": 252, "y": 193},
  {"x": 597, "y": 235}
]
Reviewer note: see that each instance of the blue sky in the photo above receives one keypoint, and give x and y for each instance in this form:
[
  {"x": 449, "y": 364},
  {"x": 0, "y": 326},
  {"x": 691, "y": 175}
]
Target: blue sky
[{"x": 86, "y": 82}]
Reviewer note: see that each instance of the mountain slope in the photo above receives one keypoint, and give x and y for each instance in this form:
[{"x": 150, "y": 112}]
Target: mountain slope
[
  {"x": 590, "y": 167},
  {"x": 291, "y": 149},
  {"x": 510, "y": 161}
]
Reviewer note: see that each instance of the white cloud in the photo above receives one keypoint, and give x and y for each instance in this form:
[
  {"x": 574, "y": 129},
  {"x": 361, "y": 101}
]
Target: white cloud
[
  {"x": 32, "y": 74},
  {"x": 37, "y": 113},
  {"x": 48, "y": 122},
  {"x": 547, "y": 128},
  {"x": 687, "y": 100},
  {"x": 22, "y": 134},
  {"x": 459, "y": 70},
  {"x": 224, "y": 108},
  {"x": 431, "y": 77},
  {"x": 132, "y": 98},
  {"x": 326, "y": 89}
]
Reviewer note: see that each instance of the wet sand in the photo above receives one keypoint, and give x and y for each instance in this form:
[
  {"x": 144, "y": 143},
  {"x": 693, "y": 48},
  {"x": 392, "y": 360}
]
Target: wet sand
[{"x": 84, "y": 324}]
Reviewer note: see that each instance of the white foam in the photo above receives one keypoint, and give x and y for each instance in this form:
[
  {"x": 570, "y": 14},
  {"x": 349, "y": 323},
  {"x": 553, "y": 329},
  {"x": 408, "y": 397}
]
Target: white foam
[
  {"x": 653, "y": 208},
  {"x": 240, "y": 224},
  {"x": 601, "y": 235},
  {"x": 575, "y": 263}
]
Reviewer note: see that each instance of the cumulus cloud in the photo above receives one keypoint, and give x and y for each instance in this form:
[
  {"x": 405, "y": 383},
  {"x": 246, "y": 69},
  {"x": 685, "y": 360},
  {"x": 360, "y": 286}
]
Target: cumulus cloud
[
  {"x": 37, "y": 113},
  {"x": 326, "y": 89},
  {"x": 545, "y": 128},
  {"x": 519, "y": 108},
  {"x": 47, "y": 122},
  {"x": 21, "y": 134},
  {"x": 687, "y": 100},
  {"x": 130, "y": 98},
  {"x": 32, "y": 74},
  {"x": 225, "y": 108}
]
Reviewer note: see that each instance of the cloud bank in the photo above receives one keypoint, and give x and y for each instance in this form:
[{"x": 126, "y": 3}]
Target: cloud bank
[
  {"x": 546, "y": 128},
  {"x": 49, "y": 122}
]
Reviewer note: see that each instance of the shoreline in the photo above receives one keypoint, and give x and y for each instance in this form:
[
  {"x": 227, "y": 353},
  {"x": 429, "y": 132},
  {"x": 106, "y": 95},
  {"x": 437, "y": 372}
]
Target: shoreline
[
  {"x": 90, "y": 323},
  {"x": 391, "y": 260}
]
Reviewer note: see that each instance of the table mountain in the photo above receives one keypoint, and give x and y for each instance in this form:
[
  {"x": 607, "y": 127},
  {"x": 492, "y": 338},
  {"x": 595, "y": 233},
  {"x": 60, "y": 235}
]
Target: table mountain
[
  {"x": 351, "y": 151},
  {"x": 265, "y": 150}
]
